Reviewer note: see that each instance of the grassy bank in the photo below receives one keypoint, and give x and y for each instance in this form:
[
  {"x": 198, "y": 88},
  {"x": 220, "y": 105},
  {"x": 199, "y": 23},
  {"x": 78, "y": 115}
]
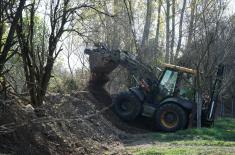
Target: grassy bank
[{"x": 217, "y": 140}]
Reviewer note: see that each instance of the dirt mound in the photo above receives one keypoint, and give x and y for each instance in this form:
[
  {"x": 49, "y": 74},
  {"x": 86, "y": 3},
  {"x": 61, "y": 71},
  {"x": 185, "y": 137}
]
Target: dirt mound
[
  {"x": 81, "y": 122},
  {"x": 66, "y": 124},
  {"x": 18, "y": 134},
  {"x": 77, "y": 123}
]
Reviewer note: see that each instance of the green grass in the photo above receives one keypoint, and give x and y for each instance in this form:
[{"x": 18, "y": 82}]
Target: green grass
[
  {"x": 153, "y": 150},
  {"x": 223, "y": 130},
  {"x": 162, "y": 150},
  {"x": 219, "y": 139}
]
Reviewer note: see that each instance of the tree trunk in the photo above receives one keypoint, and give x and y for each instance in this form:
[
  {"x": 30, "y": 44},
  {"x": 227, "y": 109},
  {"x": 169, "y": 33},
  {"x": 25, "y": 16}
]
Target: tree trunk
[
  {"x": 191, "y": 24},
  {"x": 115, "y": 35},
  {"x": 198, "y": 99},
  {"x": 37, "y": 74},
  {"x": 172, "y": 32},
  {"x": 167, "y": 31},
  {"x": 10, "y": 36},
  {"x": 156, "y": 40},
  {"x": 180, "y": 30},
  {"x": 144, "y": 43},
  {"x": 233, "y": 105},
  {"x": 107, "y": 28},
  {"x": 131, "y": 23},
  {"x": 147, "y": 23}
]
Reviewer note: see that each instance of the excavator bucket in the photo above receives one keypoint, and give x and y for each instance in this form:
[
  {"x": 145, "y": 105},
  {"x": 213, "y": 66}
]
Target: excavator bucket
[{"x": 102, "y": 62}]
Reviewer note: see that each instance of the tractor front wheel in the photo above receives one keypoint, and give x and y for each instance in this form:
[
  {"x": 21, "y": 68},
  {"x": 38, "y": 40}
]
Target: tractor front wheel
[
  {"x": 127, "y": 106},
  {"x": 170, "y": 117}
]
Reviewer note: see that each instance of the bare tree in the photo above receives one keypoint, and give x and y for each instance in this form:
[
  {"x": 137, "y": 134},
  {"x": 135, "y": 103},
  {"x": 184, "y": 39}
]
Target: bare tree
[
  {"x": 145, "y": 36},
  {"x": 193, "y": 6},
  {"x": 167, "y": 31},
  {"x": 128, "y": 6},
  {"x": 147, "y": 24},
  {"x": 180, "y": 30},
  {"x": 38, "y": 72},
  {"x": 156, "y": 40},
  {"x": 69, "y": 52},
  {"x": 6, "y": 46},
  {"x": 173, "y": 31},
  {"x": 116, "y": 35}
]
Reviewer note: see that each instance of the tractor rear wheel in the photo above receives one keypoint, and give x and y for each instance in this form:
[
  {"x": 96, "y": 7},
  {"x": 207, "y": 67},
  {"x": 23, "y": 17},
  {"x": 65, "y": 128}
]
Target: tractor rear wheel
[
  {"x": 127, "y": 106},
  {"x": 170, "y": 117}
]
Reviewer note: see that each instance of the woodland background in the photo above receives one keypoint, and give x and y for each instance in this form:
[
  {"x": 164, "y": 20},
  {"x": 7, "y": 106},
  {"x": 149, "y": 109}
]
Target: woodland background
[{"x": 42, "y": 42}]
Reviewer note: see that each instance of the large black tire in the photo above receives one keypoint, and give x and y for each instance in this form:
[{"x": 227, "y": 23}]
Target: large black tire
[
  {"x": 170, "y": 117},
  {"x": 127, "y": 106}
]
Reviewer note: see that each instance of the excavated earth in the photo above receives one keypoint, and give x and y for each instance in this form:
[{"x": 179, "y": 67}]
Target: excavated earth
[{"x": 77, "y": 123}]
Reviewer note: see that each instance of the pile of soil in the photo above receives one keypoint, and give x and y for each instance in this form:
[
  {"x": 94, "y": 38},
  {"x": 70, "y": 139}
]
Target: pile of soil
[{"x": 76, "y": 123}]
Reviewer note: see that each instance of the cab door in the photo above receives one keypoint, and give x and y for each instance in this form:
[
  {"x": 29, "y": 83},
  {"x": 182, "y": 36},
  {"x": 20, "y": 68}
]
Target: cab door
[{"x": 167, "y": 84}]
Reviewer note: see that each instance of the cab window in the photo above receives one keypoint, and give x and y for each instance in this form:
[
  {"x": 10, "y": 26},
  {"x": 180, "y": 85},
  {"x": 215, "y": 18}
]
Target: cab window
[
  {"x": 184, "y": 86},
  {"x": 168, "y": 82}
]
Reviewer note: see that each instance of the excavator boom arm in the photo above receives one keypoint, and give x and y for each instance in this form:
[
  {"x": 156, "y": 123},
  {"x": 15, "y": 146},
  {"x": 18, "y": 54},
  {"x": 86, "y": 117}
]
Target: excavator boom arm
[{"x": 104, "y": 61}]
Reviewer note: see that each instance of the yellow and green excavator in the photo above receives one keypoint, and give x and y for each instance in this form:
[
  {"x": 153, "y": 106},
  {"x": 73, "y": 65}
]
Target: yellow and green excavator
[{"x": 169, "y": 98}]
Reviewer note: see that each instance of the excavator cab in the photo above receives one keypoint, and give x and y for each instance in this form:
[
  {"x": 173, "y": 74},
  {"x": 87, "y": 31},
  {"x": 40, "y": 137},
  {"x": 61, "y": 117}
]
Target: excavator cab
[{"x": 176, "y": 83}]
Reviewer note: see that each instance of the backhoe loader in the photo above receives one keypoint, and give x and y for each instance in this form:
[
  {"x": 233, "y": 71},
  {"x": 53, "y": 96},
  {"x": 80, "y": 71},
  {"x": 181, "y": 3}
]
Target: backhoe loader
[{"x": 169, "y": 99}]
